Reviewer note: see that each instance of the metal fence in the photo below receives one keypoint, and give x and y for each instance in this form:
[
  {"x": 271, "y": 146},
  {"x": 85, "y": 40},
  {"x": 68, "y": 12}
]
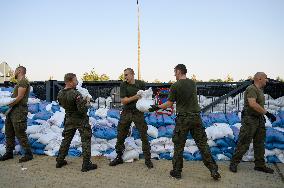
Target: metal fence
[{"x": 218, "y": 92}]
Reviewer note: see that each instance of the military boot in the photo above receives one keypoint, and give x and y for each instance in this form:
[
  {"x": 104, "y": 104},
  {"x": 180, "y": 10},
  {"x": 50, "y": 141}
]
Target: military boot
[
  {"x": 215, "y": 174},
  {"x": 8, "y": 155},
  {"x": 233, "y": 167},
  {"x": 60, "y": 163},
  {"x": 118, "y": 160},
  {"x": 264, "y": 169},
  {"x": 88, "y": 165},
  {"x": 175, "y": 174},
  {"x": 27, "y": 157},
  {"x": 149, "y": 163}
]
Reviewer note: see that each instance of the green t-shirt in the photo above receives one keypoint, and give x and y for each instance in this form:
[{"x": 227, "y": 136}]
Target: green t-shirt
[
  {"x": 253, "y": 92},
  {"x": 24, "y": 83},
  {"x": 129, "y": 90},
  {"x": 184, "y": 93}
]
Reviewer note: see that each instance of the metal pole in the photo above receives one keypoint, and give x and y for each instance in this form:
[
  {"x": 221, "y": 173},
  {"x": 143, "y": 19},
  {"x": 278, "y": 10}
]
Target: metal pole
[{"x": 139, "y": 73}]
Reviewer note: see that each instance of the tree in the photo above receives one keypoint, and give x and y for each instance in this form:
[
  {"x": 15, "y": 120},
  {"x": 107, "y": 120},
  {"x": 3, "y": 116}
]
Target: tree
[
  {"x": 121, "y": 77},
  {"x": 194, "y": 78},
  {"x": 104, "y": 77},
  {"x": 279, "y": 79},
  {"x": 93, "y": 76},
  {"x": 157, "y": 81},
  {"x": 229, "y": 78},
  {"x": 216, "y": 80}
]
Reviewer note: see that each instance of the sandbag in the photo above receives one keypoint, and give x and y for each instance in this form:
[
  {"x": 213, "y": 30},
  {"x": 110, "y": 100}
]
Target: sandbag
[
  {"x": 233, "y": 118},
  {"x": 152, "y": 131},
  {"x": 113, "y": 113},
  {"x": 218, "y": 118},
  {"x": 145, "y": 102},
  {"x": 42, "y": 115},
  {"x": 168, "y": 120},
  {"x": 6, "y": 101}
]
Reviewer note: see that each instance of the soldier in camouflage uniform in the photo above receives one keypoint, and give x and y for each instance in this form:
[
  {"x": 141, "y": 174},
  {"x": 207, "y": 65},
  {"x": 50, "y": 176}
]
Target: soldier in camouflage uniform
[
  {"x": 76, "y": 117},
  {"x": 128, "y": 90},
  {"x": 183, "y": 92},
  {"x": 16, "y": 118},
  {"x": 253, "y": 125}
]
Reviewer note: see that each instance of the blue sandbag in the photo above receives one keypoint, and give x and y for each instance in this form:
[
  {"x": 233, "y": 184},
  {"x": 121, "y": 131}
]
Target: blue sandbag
[
  {"x": 55, "y": 108},
  {"x": 165, "y": 156},
  {"x": 273, "y": 135},
  {"x": 273, "y": 159},
  {"x": 206, "y": 121},
  {"x": 197, "y": 156},
  {"x": 105, "y": 133},
  {"x": 152, "y": 119},
  {"x": 160, "y": 120},
  {"x": 92, "y": 112},
  {"x": 74, "y": 152},
  {"x": 278, "y": 145},
  {"x": 218, "y": 118},
  {"x": 168, "y": 120},
  {"x": 147, "y": 120},
  {"x": 42, "y": 115},
  {"x": 233, "y": 118},
  {"x": 3, "y": 109},
  {"x": 269, "y": 146},
  {"x": 227, "y": 150},
  {"x": 33, "y": 108},
  {"x": 1, "y": 126},
  {"x": 221, "y": 143},
  {"x": 236, "y": 133},
  {"x": 113, "y": 113},
  {"x": 230, "y": 142},
  {"x": 150, "y": 138},
  {"x": 37, "y": 145},
  {"x": 32, "y": 140},
  {"x": 281, "y": 115},
  {"x": 108, "y": 151},
  {"x": 162, "y": 131},
  {"x": 3, "y": 140},
  {"x": 169, "y": 131},
  {"x": 10, "y": 89},
  {"x": 188, "y": 156},
  {"x": 229, "y": 155},
  {"x": 189, "y": 136},
  {"x": 2, "y": 136},
  {"x": 38, "y": 151},
  {"x": 31, "y": 122},
  {"x": 278, "y": 122},
  {"x": 215, "y": 150},
  {"x": 42, "y": 106},
  {"x": 135, "y": 133}
]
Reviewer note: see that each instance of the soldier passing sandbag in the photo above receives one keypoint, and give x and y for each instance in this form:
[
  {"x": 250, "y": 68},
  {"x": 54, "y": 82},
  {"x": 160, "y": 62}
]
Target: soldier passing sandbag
[{"x": 76, "y": 117}]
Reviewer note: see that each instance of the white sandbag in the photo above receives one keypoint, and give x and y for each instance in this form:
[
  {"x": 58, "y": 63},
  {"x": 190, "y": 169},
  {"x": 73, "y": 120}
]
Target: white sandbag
[
  {"x": 56, "y": 119},
  {"x": 101, "y": 112},
  {"x": 130, "y": 156},
  {"x": 2, "y": 149},
  {"x": 211, "y": 143},
  {"x": 155, "y": 156},
  {"x": 219, "y": 130},
  {"x": 158, "y": 149},
  {"x": 95, "y": 153},
  {"x": 33, "y": 101},
  {"x": 267, "y": 122},
  {"x": 169, "y": 147},
  {"x": 52, "y": 144},
  {"x": 84, "y": 92},
  {"x": 46, "y": 138},
  {"x": 5, "y": 101},
  {"x": 145, "y": 102},
  {"x": 113, "y": 121},
  {"x": 280, "y": 101},
  {"x": 34, "y": 129},
  {"x": 161, "y": 140},
  {"x": 191, "y": 149},
  {"x": 190, "y": 142},
  {"x": 152, "y": 131},
  {"x": 35, "y": 135},
  {"x": 111, "y": 143},
  {"x": 138, "y": 142},
  {"x": 130, "y": 144},
  {"x": 281, "y": 157},
  {"x": 5, "y": 94},
  {"x": 222, "y": 157}
]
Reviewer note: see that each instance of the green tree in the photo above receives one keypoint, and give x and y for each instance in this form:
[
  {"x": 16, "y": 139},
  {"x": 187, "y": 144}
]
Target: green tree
[
  {"x": 121, "y": 77},
  {"x": 229, "y": 78},
  {"x": 216, "y": 80},
  {"x": 279, "y": 79},
  {"x": 157, "y": 81},
  {"x": 93, "y": 76}
]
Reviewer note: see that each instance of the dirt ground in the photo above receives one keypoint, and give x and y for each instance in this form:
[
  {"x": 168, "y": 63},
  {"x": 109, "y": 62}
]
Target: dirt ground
[{"x": 41, "y": 172}]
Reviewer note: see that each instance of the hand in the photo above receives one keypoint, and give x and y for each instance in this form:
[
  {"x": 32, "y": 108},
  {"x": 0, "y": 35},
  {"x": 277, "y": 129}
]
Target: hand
[
  {"x": 270, "y": 116},
  {"x": 154, "y": 108}
]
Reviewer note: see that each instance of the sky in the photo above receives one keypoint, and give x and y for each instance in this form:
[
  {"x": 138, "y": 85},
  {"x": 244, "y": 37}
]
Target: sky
[{"x": 213, "y": 38}]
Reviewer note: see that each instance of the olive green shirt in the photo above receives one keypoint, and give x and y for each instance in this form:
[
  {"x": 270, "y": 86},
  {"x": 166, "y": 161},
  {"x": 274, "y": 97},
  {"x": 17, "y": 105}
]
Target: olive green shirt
[
  {"x": 75, "y": 108},
  {"x": 24, "y": 83},
  {"x": 253, "y": 92},
  {"x": 184, "y": 93},
  {"x": 129, "y": 90}
]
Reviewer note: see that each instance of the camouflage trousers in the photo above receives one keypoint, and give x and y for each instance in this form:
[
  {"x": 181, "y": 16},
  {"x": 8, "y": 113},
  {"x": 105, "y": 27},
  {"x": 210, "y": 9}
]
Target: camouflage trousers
[
  {"x": 185, "y": 124},
  {"x": 126, "y": 118},
  {"x": 16, "y": 125},
  {"x": 253, "y": 128},
  {"x": 68, "y": 134}
]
